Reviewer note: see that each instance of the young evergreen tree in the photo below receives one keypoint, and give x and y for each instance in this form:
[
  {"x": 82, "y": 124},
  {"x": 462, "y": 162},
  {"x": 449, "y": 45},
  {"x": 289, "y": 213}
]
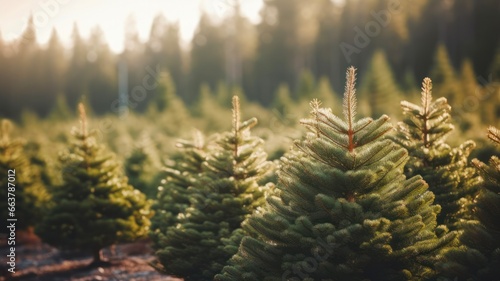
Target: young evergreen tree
[
  {"x": 169, "y": 104},
  {"x": 207, "y": 108},
  {"x": 23, "y": 193},
  {"x": 379, "y": 93},
  {"x": 480, "y": 258},
  {"x": 139, "y": 170},
  {"x": 283, "y": 101},
  {"x": 306, "y": 87},
  {"x": 343, "y": 210},
  {"x": 61, "y": 110},
  {"x": 327, "y": 96},
  {"x": 446, "y": 83},
  {"x": 225, "y": 193},
  {"x": 95, "y": 206},
  {"x": 423, "y": 133},
  {"x": 174, "y": 191},
  {"x": 469, "y": 117}
]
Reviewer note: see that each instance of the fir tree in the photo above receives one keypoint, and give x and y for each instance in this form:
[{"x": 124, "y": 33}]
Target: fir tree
[
  {"x": 379, "y": 91},
  {"x": 61, "y": 109},
  {"x": 174, "y": 193},
  {"x": 423, "y": 133},
  {"x": 138, "y": 169},
  {"x": 223, "y": 95},
  {"x": 343, "y": 209},
  {"x": 95, "y": 206},
  {"x": 307, "y": 86},
  {"x": 470, "y": 88},
  {"x": 445, "y": 79},
  {"x": 480, "y": 258},
  {"x": 225, "y": 193},
  {"x": 169, "y": 104},
  {"x": 165, "y": 92},
  {"x": 23, "y": 192},
  {"x": 326, "y": 94},
  {"x": 209, "y": 110},
  {"x": 283, "y": 101}
]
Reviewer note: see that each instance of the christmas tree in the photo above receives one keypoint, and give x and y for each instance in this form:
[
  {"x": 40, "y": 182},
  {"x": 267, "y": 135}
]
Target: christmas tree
[
  {"x": 283, "y": 102},
  {"x": 174, "y": 193},
  {"x": 139, "y": 169},
  {"x": 225, "y": 193},
  {"x": 306, "y": 86},
  {"x": 423, "y": 133},
  {"x": 379, "y": 92},
  {"x": 95, "y": 206},
  {"x": 479, "y": 259},
  {"x": 61, "y": 110},
  {"x": 23, "y": 193},
  {"x": 326, "y": 94},
  {"x": 343, "y": 210},
  {"x": 208, "y": 109},
  {"x": 467, "y": 110},
  {"x": 172, "y": 108},
  {"x": 445, "y": 79}
]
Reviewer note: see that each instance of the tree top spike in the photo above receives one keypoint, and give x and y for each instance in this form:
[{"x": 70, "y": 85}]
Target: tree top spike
[
  {"x": 6, "y": 128},
  {"x": 83, "y": 118},
  {"x": 350, "y": 103},
  {"x": 236, "y": 112},
  {"x": 426, "y": 94},
  {"x": 236, "y": 121}
]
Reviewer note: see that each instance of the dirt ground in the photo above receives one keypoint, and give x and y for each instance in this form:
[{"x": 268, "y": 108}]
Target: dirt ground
[{"x": 36, "y": 261}]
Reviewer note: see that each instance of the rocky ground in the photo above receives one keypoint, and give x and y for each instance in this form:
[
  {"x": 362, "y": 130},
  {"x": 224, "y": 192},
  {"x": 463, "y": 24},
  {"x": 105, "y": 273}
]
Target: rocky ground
[{"x": 36, "y": 261}]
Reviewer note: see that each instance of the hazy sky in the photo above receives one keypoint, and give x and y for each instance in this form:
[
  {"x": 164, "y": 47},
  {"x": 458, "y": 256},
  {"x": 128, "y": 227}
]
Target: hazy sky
[{"x": 110, "y": 15}]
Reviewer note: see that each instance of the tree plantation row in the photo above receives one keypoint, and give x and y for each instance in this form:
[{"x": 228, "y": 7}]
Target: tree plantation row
[{"x": 352, "y": 198}]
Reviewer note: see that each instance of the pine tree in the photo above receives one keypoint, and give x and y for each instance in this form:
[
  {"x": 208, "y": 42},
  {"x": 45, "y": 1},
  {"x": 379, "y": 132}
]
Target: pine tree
[
  {"x": 138, "y": 169},
  {"x": 225, "y": 193},
  {"x": 327, "y": 96},
  {"x": 174, "y": 193},
  {"x": 470, "y": 88},
  {"x": 95, "y": 206},
  {"x": 169, "y": 104},
  {"x": 207, "y": 108},
  {"x": 379, "y": 92},
  {"x": 306, "y": 87},
  {"x": 424, "y": 132},
  {"x": 445, "y": 79},
  {"x": 283, "y": 101},
  {"x": 223, "y": 95},
  {"x": 343, "y": 209},
  {"x": 480, "y": 258},
  {"x": 23, "y": 192},
  {"x": 61, "y": 109}
]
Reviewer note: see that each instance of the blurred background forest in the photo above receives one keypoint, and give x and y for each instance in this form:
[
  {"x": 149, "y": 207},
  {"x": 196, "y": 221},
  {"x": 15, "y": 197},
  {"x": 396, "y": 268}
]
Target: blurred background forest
[{"x": 160, "y": 89}]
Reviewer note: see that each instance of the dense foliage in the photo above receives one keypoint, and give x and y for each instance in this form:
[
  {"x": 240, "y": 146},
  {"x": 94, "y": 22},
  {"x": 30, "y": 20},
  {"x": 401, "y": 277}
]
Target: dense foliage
[
  {"x": 94, "y": 207},
  {"x": 344, "y": 208},
  {"x": 23, "y": 191},
  {"x": 423, "y": 133},
  {"x": 479, "y": 258},
  {"x": 223, "y": 190}
]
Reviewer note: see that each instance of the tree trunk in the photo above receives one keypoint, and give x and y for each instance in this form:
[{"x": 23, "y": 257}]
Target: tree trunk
[{"x": 97, "y": 254}]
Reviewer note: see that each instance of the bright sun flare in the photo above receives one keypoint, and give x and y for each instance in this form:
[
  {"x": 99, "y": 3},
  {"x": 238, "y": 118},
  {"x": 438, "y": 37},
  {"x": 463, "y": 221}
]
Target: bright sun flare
[{"x": 111, "y": 16}]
